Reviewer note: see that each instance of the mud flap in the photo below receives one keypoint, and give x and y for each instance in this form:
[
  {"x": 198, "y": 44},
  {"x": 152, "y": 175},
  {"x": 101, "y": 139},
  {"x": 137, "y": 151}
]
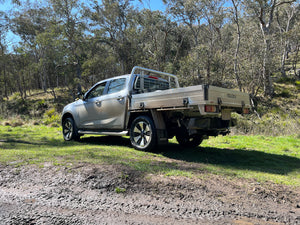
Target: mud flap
[{"x": 162, "y": 135}]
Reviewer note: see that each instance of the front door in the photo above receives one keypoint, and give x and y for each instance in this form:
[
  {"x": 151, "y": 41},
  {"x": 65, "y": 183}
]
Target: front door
[{"x": 104, "y": 107}]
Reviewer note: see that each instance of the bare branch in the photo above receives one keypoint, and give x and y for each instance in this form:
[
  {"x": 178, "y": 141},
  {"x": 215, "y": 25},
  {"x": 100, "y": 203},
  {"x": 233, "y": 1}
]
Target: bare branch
[{"x": 284, "y": 2}]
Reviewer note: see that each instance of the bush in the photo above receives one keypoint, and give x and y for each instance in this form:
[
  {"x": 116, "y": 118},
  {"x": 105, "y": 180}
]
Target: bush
[
  {"x": 51, "y": 117},
  {"x": 297, "y": 83},
  {"x": 284, "y": 94}
]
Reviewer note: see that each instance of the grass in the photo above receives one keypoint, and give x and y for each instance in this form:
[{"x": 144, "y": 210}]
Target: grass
[{"x": 261, "y": 158}]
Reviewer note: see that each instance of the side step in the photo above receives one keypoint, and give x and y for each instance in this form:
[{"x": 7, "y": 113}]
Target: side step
[{"x": 110, "y": 133}]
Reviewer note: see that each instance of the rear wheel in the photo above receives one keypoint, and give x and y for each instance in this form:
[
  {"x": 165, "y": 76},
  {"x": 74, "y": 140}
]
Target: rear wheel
[
  {"x": 70, "y": 131},
  {"x": 186, "y": 140},
  {"x": 143, "y": 133}
]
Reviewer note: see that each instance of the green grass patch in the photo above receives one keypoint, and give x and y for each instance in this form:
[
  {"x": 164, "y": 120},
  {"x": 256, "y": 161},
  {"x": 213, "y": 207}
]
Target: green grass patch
[{"x": 261, "y": 158}]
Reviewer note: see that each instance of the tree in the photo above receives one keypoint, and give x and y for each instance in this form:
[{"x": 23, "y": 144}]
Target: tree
[
  {"x": 285, "y": 18},
  {"x": 3, "y": 56},
  {"x": 114, "y": 24},
  {"x": 160, "y": 40},
  {"x": 69, "y": 18},
  {"x": 236, "y": 19},
  {"x": 263, "y": 11}
]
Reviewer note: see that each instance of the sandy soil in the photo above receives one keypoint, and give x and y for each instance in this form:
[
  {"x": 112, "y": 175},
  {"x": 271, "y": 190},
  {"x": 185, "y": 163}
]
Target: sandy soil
[{"x": 106, "y": 194}]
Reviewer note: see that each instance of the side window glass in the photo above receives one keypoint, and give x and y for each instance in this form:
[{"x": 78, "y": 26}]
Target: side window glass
[
  {"x": 116, "y": 85},
  {"x": 97, "y": 91}
]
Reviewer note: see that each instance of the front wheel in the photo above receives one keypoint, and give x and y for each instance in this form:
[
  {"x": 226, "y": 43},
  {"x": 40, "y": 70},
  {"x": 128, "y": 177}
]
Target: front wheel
[
  {"x": 143, "y": 133},
  {"x": 70, "y": 131}
]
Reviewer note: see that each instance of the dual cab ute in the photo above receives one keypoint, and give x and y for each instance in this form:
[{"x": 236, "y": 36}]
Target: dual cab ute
[{"x": 150, "y": 107}]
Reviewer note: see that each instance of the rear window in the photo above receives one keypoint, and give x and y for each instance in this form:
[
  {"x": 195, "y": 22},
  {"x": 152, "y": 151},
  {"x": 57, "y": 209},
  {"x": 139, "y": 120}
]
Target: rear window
[{"x": 151, "y": 84}]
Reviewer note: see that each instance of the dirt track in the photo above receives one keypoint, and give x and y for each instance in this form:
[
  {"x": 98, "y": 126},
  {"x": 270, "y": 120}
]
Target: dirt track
[{"x": 93, "y": 194}]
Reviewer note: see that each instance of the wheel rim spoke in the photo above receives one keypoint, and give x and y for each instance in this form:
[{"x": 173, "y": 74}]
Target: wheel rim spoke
[
  {"x": 137, "y": 131},
  {"x": 140, "y": 126},
  {"x": 147, "y": 138},
  {"x": 142, "y": 144},
  {"x": 68, "y": 130},
  {"x": 137, "y": 139}
]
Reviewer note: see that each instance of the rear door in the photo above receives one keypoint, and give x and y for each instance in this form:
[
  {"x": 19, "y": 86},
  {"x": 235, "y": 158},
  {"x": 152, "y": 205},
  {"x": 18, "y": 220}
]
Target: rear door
[{"x": 114, "y": 105}]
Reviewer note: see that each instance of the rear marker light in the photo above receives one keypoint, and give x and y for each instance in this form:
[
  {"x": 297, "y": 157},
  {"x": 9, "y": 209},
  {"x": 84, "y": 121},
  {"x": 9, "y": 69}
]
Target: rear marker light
[
  {"x": 152, "y": 77},
  {"x": 210, "y": 108}
]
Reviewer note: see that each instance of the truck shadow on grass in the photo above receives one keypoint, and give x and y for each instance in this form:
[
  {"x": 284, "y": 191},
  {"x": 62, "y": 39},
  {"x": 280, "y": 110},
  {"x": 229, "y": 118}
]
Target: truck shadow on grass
[
  {"x": 243, "y": 159},
  {"x": 235, "y": 158},
  {"x": 106, "y": 140}
]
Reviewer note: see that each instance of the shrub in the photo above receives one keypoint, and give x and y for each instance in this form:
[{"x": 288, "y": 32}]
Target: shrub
[
  {"x": 51, "y": 117},
  {"x": 297, "y": 83},
  {"x": 284, "y": 94}
]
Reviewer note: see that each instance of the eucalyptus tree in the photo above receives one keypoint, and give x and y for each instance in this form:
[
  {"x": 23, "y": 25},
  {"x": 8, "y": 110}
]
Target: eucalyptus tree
[
  {"x": 160, "y": 39},
  {"x": 3, "y": 55},
  {"x": 295, "y": 44},
  {"x": 114, "y": 25},
  {"x": 191, "y": 14},
  {"x": 236, "y": 18},
  {"x": 204, "y": 20},
  {"x": 286, "y": 18},
  {"x": 27, "y": 23},
  {"x": 69, "y": 18},
  {"x": 264, "y": 11}
]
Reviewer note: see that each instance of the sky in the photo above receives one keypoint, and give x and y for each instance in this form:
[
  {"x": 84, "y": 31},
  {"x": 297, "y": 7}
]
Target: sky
[
  {"x": 12, "y": 40},
  {"x": 150, "y": 4}
]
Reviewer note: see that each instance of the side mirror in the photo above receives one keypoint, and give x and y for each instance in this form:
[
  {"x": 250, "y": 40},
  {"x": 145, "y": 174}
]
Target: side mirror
[{"x": 80, "y": 95}]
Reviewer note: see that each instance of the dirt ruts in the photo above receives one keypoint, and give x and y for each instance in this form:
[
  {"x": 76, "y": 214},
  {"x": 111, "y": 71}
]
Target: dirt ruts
[{"x": 106, "y": 194}]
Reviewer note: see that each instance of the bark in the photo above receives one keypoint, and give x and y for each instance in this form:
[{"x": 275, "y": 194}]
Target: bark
[
  {"x": 236, "y": 53},
  {"x": 265, "y": 26},
  {"x": 296, "y": 60},
  {"x": 290, "y": 14},
  {"x": 266, "y": 32}
]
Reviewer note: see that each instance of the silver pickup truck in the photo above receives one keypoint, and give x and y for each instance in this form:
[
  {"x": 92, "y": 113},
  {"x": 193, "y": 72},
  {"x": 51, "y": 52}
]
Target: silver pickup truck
[{"x": 150, "y": 107}]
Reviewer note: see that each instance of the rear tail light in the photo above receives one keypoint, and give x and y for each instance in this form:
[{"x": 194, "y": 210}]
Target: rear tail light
[{"x": 210, "y": 108}]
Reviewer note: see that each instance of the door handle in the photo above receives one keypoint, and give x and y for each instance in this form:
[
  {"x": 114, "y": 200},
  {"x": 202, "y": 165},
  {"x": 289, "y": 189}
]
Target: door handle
[
  {"x": 98, "y": 103},
  {"x": 120, "y": 99}
]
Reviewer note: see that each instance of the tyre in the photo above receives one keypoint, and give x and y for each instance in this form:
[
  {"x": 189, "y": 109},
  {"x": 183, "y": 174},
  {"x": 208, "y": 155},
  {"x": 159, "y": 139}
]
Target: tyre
[
  {"x": 70, "y": 131},
  {"x": 186, "y": 140},
  {"x": 143, "y": 133}
]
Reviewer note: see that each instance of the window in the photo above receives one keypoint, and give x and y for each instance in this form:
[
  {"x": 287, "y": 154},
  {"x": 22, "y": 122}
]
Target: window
[
  {"x": 97, "y": 91},
  {"x": 151, "y": 84},
  {"x": 116, "y": 85}
]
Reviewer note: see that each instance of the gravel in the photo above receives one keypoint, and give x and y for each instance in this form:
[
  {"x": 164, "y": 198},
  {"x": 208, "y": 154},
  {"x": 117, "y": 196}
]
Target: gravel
[{"x": 107, "y": 194}]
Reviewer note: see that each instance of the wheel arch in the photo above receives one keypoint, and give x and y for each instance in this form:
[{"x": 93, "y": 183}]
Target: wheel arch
[
  {"x": 134, "y": 115},
  {"x": 67, "y": 115},
  {"x": 159, "y": 124}
]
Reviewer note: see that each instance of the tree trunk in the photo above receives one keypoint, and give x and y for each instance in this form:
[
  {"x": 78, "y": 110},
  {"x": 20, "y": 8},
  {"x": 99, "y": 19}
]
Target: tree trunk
[
  {"x": 266, "y": 74},
  {"x": 78, "y": 72},
  {"x": 283, "y": 59},
  {"x": 236, "y": 53},
  {"x": 296, "y": 60}
]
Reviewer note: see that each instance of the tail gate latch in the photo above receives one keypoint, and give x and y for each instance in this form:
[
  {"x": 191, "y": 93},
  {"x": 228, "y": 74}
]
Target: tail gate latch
[
  {"x": 185, "y": 102},
  {"x": 219, "y": 104}
]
